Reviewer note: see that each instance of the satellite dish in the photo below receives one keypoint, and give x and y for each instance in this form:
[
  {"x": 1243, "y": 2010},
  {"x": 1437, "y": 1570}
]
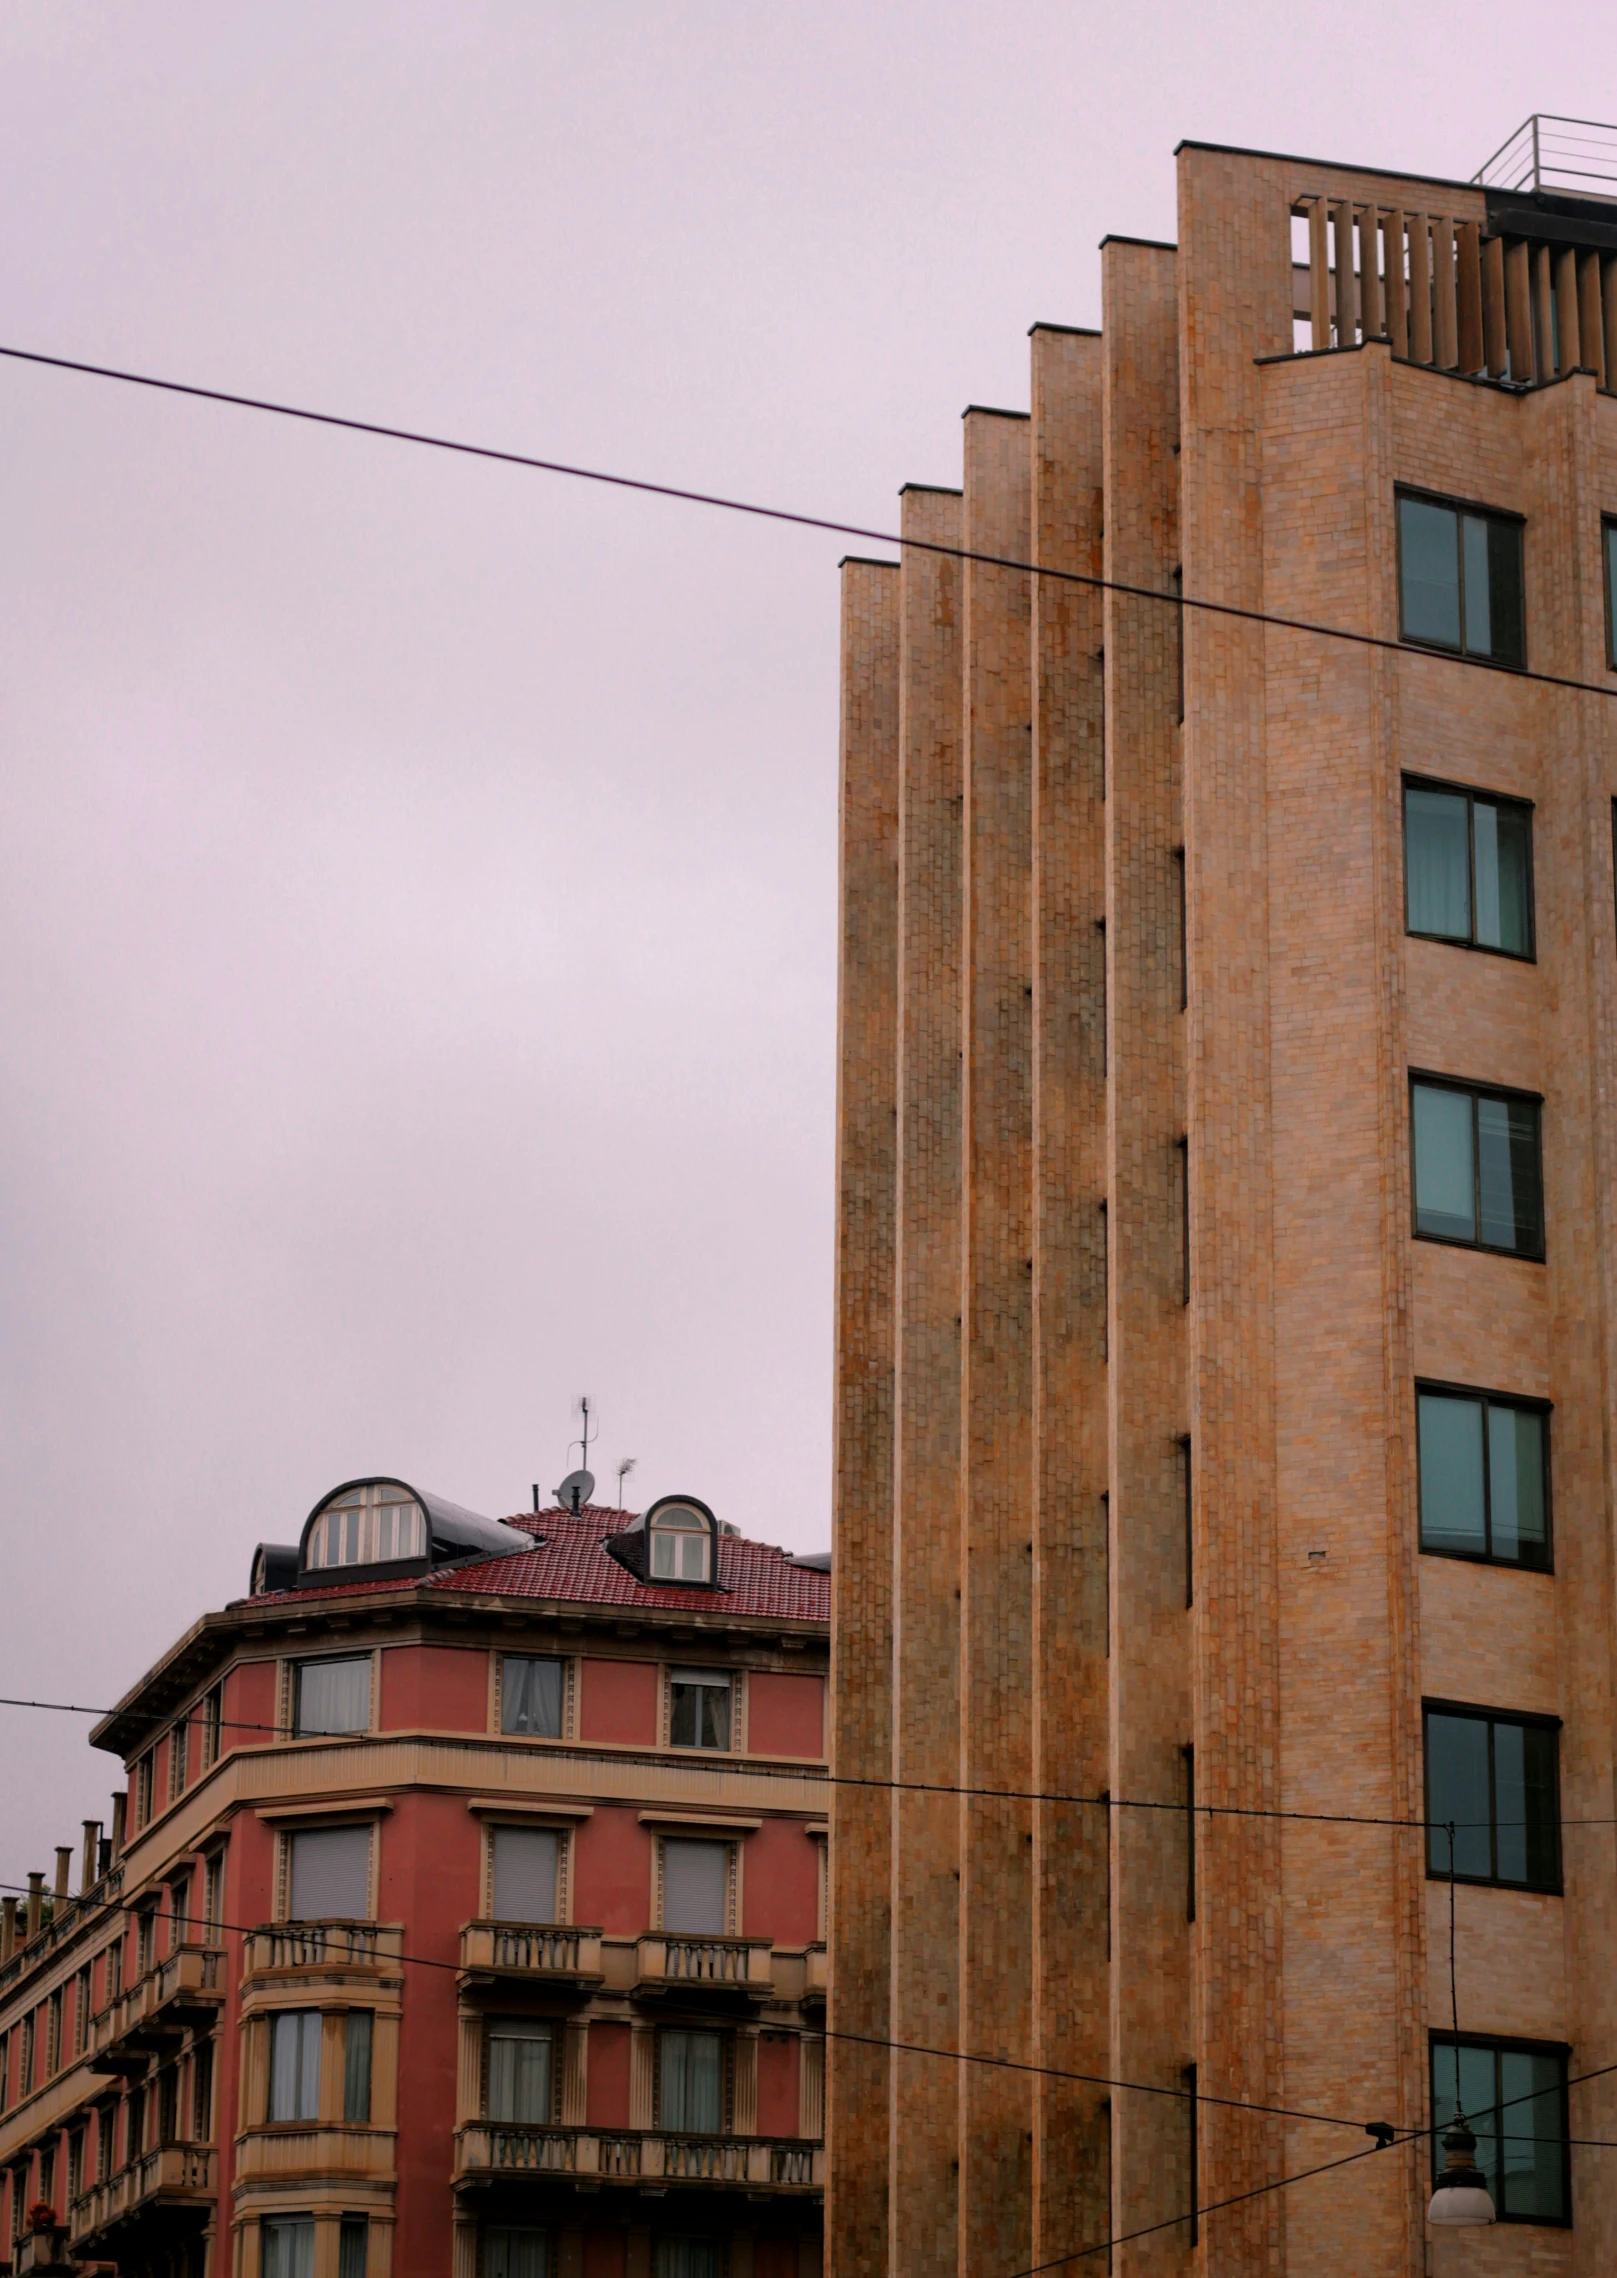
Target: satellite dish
[{"x": 575, "y": 1491}]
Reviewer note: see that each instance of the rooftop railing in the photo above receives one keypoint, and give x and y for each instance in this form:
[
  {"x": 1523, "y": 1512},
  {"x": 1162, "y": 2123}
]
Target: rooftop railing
[{"x": 1578, "y": 156}]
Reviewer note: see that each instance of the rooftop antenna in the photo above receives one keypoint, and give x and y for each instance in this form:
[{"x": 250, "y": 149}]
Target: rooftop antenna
[
  {"x": 624, "y": 1469},
  {"x": 583, "y": 1445},
  {"x": 577, "y": 1488}
]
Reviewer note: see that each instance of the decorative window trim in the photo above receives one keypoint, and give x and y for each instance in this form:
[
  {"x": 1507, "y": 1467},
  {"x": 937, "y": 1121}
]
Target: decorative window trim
[
  {"x": 328, "y": 1816},
  {"x": 498, "y": 1656},
  {"x": 732, "y": 1884},
  {"x": 287, "y": 1715},
  {"x": 735, "y": 1677},
  {"x": 538, "y": 1822},
  {"x": 725, "y": 2035}
]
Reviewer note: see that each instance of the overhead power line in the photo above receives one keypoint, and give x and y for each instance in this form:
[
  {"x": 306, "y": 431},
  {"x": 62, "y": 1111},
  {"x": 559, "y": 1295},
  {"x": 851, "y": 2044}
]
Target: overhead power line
[
  {"x": 1100, "y": 1801},
  {"x": 689, "y": 497}
]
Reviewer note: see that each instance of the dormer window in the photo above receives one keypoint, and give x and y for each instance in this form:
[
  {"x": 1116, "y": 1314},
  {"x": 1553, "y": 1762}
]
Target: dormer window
[
  {"x": 681, "y": 1543},
  {"x": 371, "y": 1525}
]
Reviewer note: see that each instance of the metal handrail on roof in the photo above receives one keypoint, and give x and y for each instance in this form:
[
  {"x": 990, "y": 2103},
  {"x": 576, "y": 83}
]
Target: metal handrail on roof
[{"x": 1548, "y": 153}]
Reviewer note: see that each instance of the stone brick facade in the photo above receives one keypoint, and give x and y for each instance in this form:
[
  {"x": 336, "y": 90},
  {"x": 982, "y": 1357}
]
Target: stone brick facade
[{"x": 1131, "y": 1314}]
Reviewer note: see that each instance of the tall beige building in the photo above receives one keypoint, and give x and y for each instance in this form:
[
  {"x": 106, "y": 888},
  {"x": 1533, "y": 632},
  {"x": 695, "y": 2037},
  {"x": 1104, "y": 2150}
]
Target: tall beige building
[{"x": 1228, "y": 1266}]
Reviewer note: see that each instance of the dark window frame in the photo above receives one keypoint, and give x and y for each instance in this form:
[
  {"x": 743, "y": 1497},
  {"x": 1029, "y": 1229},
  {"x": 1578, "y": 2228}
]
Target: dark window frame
[
  {"x": 1487, "y": 1398},
  {"x": 1555, "y": 1886},
  {"x": 1608, "y": 578},
  {"x": 1475, "y": 1090},
  {"x": 1471, "y": 793},
  {"x": 1457, "y": 506},
  {"x": 1507, "y": 2044}
]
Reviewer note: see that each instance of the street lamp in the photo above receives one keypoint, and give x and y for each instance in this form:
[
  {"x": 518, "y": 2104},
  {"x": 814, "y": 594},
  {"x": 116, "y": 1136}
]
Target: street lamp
[{"x": 1460, "y": 2198}]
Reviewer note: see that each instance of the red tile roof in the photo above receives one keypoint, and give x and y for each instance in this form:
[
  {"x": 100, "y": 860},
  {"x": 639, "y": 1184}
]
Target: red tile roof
[{"x": 571, "y": 1562}]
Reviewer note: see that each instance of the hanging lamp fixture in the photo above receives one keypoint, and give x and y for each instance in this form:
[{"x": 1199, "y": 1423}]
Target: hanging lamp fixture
[{"x": 1459, "y": 2198}]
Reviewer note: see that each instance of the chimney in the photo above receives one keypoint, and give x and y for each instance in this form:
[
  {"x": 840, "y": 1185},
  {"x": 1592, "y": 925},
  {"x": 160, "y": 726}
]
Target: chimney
[
  {"x": 8, "y": 1928},
  {"x": 88, "y": 1873},
  {"x": 64, "y": 1868},
  {"x": 120, "y": 1804},
  {"x": 36, "y": 1902}
]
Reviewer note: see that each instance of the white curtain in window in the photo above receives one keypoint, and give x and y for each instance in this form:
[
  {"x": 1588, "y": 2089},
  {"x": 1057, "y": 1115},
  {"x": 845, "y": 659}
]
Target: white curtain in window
[
  {"x": 525, "y": 1863},
  {"x": 1437, "y": 855},
  {"x": 333, "y": 1696},
  {"x": 695, "y": 1887},
  {"x": 288, "y": 2246},
  {"x": 294, "y": 2092},
  {"x": 531, "y": 1696},
  {"x": 331, "y": 1875},
  {"x": 689, "y": 2089},
  {"x": 519, "y": 2071}
]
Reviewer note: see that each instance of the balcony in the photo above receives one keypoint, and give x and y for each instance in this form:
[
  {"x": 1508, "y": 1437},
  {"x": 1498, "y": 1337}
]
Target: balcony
[
  {"x": 184, "y": 1991},
  {"x": 326, "y": 1950},
  {"x": 174, "y": 2175},
  {"x": 362, "y": 2154},
  {"x": 706, "y": 1966},
  {"x": 487, "y": 2151},
  {"x": 816, "y": 1973},
  {"x": 530, "y": 1953}
]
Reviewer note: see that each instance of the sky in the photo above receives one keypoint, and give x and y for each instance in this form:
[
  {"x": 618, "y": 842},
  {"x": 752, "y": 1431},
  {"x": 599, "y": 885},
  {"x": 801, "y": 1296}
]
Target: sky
[{"x": 418, "y": 878}]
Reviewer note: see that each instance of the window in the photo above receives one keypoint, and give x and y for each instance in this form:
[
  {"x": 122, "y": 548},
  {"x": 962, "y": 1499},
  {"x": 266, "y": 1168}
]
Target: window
[
  {"x": 1478, "y": 1175},
  {"x": 288, "y": 2246},
  {"x": 699, "y": 1708},
  {"x": 520, "y": 2072},
  {"x": 115, "y": 1968},
  {"x": 516, "y": 2254},
  {"x": 357, "y": 2034},
  {"x": 1513, "y": 2095},
  {"x": 213, "y": 1718},
  {"x": 525, "y": 1876},
  {"x": 5, "y": 2071},
  {"x": 372, "y": 1525},
  {"x": 531, "y": 1695},
  {"x": 1460, "y": 580},
  {"x": 329, "y": 1874},
  {"x": 689, "y": 2258},
  {"x": 81, "y": 2018},
  {"x": 179, "y": 1911},
  {"x": 1484, "y": 1477},
  {"x": 294, "y": 2069},
  {"x": 143, "y": 1789},
  {"x": 53, "y": 2035},
  {"x": 145, "y": 1939},
  {"x": 353, "y": 2246},
  {"x": 75, "y": 2165},
  {"x": 696, "y": 1887},
  {"x": 690, "y": 2083},
  {"x": 25, "y": 2057},
  {"x": 202, "y": 2092},
  {"x": 681, "y": 1543},
  {"x": 168, "y": 2104},
  {"x": 179, "y": 1757},
  {"x": 331, "y": 1696},
  {"x": 1468, "y": 868},
  {"x": 1494, "y": 1778},
  {"x": 213, "y": 1895},
  {"x": 1608, "y": 532}
]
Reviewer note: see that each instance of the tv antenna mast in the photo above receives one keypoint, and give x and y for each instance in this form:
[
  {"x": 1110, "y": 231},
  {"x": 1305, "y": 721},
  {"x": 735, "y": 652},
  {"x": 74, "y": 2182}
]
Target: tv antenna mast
[{"x": 577, "y": 1488}]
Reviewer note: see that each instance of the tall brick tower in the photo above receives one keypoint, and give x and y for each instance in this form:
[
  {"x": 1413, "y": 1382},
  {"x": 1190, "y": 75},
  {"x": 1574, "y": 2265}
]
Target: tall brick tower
[{"x": 1228, "y": 1141}]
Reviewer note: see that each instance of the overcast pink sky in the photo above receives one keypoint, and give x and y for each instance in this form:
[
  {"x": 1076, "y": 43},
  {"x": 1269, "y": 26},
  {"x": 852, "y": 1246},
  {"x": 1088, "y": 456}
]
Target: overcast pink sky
[{"x": 417, "y": 879}]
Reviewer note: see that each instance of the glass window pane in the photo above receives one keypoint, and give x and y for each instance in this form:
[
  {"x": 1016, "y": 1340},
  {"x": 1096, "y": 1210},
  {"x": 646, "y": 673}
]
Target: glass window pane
[
  {"x": 1543, "y": 1807},
  {"x": 1531, "y": 2127},
  {"x": 1516, "y": 1484},
  {"x": 1611, "y": 592},
  {"x": 1508, "y": 618},
  {"x": 1457, "y": 1790},
  {"x": 531, "y": 1696},
  {"x": 295, "y": 2065},
  {"x": 1510, "y": 1803},
  {"x": 515, "y": 2254},
  {"x": 690, "y": 2083},
  {"x": 353, "y": 2246},
  {"x": 525, "y": 1861},
  {"x": 519, "y": 2083},
  {"x": 1504, "y": 863},
  {"x": 699, "y": 1708},
  {"x": 1445, "y": 1184},
  {"x": 1437, "y": 863},
  {"x": 1451, "y": 1506},
  {"x": 288, "y": 2244},
  {"x": 696, "y": 1878},
  {"x": 356, "y": 2084},
  {"x": 330, "y": 1878},
  {"x": 1430, "y": 569},
  {"x": 333, "y": 1696},
  {"x": 1507, "y": 1159},
  {"x": 1478, "y": 620}
]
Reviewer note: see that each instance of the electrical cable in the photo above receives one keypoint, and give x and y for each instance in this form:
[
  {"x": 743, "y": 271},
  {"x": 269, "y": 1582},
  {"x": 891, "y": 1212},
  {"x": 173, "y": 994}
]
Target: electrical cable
[
  {"x": 1180, "y": 601},
  {"x": 1099, "y": 1801}
]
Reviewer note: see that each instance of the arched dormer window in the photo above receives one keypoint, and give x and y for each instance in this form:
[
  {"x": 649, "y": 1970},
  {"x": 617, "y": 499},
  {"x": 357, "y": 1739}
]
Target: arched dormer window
[
  {"x": 373, "y": 1524},
  {"x": 681, "y": 1535}
]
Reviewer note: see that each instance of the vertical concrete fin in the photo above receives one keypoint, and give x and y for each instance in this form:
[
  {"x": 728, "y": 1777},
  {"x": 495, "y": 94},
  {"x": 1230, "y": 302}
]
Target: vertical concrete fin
[
  {"x": 1071, "y": 2149},
  {"x": 862, "y": 1490},
  {"x": 924, "y": 2118},
  {"x": 996, "y": 1477}
]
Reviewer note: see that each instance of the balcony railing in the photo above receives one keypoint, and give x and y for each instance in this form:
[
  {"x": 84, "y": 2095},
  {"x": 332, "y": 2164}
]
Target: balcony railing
[
  {"x": 184, "y": 1989},
  {"x": 552, "y": 1954},
  {"x": 1574, "y": 155},
  {"x": 488, "y": 2148},
  {"x": 665, "y": 1963},
  {"x": 322, "y": 1948},
  {"x": 172, "y": 2174}
]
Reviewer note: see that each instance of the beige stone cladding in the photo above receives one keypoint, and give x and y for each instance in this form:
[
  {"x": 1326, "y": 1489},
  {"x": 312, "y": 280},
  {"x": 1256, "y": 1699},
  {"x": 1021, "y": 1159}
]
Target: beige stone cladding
[
  {"x": 862, "y": 1487},
  {"x": 1151, "y": 1293}
]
